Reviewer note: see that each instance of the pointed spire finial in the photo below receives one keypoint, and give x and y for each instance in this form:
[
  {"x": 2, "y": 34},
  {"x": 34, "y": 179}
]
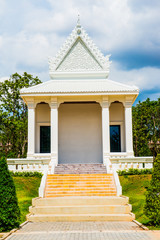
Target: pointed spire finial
[{"x": 78, "y": 21}]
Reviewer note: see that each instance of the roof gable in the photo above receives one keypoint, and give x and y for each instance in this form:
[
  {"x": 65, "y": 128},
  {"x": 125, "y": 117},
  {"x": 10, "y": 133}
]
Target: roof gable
[
  {"x": 79, "y": 58},
  {"x": 79, "y": 46}
]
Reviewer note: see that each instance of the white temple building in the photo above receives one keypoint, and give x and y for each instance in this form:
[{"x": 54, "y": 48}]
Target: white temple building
[
  {"x": 79, "y": 115},
  {"x": 79, "y": 134}
]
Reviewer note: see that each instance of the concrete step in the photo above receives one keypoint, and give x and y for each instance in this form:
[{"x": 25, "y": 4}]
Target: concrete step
[
  {"x": 79, "y": 188},
  {"x": 80, "y": 168},
  {"x": 87, "y": 209},
  {"x": 80, "y": 176},
  {"x": 74, "y": 200},
  {"x": 84, "y": 172},
  {"x": 80, "y": 184},
  {"x": 80, "y": 195},
  {"x": 78, "y": 180},
  {"x": 70, "y": 190},
  {"x": 79, "y": 217}
]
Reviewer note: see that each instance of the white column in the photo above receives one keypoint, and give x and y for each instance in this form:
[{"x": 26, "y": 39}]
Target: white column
[
  {"x": 105, "y": 133},
  {"x": 54, "y": 132},
  {"x": 31, "y": 130},
  {"x": 128, "y": 129}
]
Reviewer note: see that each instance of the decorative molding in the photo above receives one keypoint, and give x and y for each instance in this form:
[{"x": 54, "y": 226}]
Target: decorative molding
[
  {"x": 127, "y": 104},
  {"x": 31, "y": 105},
  {"x": 79, "y": 33},
  {"x": 128, "y": 101},
  {"x": 54, "y": 105},
  {"x": 79, "y": 59},
  {"x": 105, "y": 103}
]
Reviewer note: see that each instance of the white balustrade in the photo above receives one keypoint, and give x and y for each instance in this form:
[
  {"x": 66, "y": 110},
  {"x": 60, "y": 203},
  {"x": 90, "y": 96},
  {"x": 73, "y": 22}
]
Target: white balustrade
[
  {"x": 28, "y": 165},
  {"x": 122, "y": 163}
]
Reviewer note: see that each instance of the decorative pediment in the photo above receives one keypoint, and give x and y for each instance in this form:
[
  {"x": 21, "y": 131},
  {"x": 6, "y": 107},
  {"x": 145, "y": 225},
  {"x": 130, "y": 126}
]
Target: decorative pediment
[
  {"x": 79, "y": 53},
  {"x": 79, "y": 58}
]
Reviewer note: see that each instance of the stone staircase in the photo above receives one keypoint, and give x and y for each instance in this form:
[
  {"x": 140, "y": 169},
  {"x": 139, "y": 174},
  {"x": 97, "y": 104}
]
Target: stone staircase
[
  {"x": 60, "y": 185},
  {"x": 78, "y": 209},
  {"x": 80, "y": 169},
  {"x": 80, "y": 192}
]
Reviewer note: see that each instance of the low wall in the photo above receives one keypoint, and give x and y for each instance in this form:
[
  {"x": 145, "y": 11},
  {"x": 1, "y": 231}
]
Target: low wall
[
  {"x": 27, "y": 165},
  {"x": 41, "y": 164},
  {"x": 121, "y": 163}
]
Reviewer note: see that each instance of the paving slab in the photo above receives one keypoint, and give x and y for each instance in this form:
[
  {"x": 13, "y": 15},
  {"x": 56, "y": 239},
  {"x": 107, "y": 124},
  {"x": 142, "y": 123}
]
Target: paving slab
[{"x": 82, "y": 231}]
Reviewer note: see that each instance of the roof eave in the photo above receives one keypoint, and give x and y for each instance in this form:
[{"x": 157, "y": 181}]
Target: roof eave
[{"x": 80, "y": 93}]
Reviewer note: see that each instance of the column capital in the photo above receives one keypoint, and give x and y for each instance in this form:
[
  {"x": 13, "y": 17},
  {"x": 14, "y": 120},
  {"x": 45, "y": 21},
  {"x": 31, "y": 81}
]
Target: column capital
[
  {"x": 105, "y": 104},
  {"x": 31, "y": 105},
  {"x": 54, "y": 105},
  {"x": 127, "y": 104}
]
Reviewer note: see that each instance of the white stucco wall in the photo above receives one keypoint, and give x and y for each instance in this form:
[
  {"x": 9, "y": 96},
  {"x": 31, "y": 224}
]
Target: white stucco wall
[
  {"x": 80, "y": 133},
  {"x": 42, "y": 119},
  {"x": 116, "y": 112}
]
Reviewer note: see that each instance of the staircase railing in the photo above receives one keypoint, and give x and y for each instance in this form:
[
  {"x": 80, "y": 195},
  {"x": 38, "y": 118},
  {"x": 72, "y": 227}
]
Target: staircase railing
[
  {"x": 43, "y": 184},
  {"x": 117, "y": 182}
]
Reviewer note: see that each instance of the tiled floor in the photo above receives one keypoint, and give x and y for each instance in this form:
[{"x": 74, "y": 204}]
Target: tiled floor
[{"x": 81, "y": 231}]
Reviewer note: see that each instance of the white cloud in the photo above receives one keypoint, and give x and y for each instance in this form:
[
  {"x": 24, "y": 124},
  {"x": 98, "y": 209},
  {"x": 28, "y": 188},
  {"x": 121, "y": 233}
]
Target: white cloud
[
  {"x": 31, "y": 32},
  {"x": 2, "y": 79},
  {"x": 146, "y": 78}
]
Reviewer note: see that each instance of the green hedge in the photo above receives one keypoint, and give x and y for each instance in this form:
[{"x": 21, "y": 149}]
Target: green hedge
[
  {"x": 26, "y": 174},
  {"x": 134, "y": 171},
  {"x": 152, "y": 206},
  {"x": 9, "y": 210}
]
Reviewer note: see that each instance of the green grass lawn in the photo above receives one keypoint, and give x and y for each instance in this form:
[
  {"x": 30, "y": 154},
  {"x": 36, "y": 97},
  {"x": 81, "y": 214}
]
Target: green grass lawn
[
  {"x": 133, "y": 186},
  {"x": 26, "y": 188}
]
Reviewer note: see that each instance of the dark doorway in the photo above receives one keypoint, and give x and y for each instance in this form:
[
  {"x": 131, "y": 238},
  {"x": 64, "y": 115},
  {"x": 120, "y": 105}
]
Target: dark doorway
[
  {"x": 115, "y": 139},
  {"x": 45, "y": 139}
]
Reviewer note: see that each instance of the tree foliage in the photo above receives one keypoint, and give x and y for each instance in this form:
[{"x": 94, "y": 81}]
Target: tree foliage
[
  {"x": 13, "y": 115},
  {"x": 146, "y": 126},
  {"x": 9, "y": 210},
  {"x": 152, "y": 207}
]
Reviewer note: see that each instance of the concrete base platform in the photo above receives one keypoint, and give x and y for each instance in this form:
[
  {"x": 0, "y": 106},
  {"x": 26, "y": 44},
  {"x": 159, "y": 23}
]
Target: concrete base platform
[
  {"x": 82, "y": 231},
  {"x": 73, "y": 209}
]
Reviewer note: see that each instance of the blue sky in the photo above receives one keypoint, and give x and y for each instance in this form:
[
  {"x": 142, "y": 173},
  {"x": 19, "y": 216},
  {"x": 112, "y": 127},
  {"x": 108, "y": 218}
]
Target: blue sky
[{"x": 129, "y": 30}]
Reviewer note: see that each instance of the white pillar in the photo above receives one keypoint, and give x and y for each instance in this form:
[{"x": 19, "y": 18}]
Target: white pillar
[
  {"x": 128, "y": 129},
  {"x": 31, "y": 130},
  {"x": 106, "y": 133},
  {"x": 54, "y": 132}
]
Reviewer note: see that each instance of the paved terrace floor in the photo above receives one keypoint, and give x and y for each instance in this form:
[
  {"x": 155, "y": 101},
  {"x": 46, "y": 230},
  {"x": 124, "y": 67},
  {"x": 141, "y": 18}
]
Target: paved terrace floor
[{"x": 83, "y": 231}]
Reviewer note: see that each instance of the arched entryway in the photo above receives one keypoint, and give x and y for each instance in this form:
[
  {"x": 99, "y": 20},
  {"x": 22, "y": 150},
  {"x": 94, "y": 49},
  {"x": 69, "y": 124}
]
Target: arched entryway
[{"x": 80, "y": 133}]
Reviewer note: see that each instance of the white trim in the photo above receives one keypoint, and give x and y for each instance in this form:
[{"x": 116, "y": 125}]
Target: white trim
[
  {"x": 117, "y": 183},
  {"x": 78, "y": 75},
  {"x": 81, "y": 94},
  {"x": 43, "y": 184}
]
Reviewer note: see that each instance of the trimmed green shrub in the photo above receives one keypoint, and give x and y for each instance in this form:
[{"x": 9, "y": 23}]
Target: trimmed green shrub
[
  {"x": 134, "y": 171},
  {"x": 26, "y": 174},
  {"x": 9, "y": 209},
  {"x": 152, "y": 206}
]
